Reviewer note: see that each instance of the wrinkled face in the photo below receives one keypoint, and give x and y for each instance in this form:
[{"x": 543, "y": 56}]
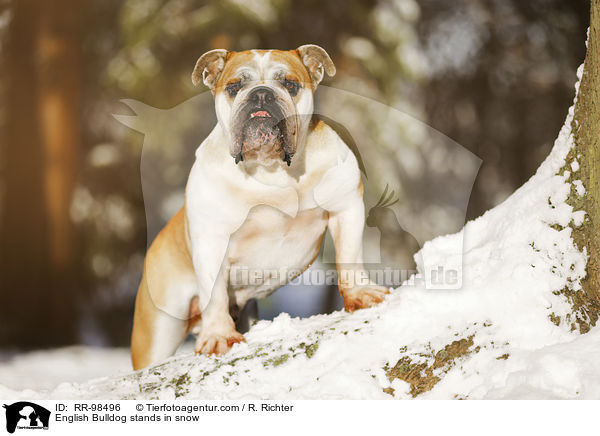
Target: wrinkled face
[{"x": 263, "y": 99}]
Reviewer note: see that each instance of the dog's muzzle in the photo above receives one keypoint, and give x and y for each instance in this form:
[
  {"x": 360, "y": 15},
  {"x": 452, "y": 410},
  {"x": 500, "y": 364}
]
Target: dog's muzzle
[{"x": 261, "y": 128}]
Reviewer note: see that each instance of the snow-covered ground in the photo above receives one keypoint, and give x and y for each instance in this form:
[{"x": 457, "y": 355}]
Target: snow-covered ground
[
  {"x": 44, "y": 370},
  {"x": 493, "y": 338}
]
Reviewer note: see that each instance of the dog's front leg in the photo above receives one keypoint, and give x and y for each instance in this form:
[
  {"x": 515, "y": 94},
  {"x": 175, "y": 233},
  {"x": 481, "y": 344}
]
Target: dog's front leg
[
  {"x": 346, "y": 226},
  {"x": 216, "y": 329},
  {"x": 213, "y": 214}
]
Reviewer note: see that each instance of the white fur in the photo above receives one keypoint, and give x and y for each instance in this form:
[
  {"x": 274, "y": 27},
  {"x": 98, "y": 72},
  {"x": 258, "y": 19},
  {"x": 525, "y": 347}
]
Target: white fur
[{"x": 222, "y": 200}]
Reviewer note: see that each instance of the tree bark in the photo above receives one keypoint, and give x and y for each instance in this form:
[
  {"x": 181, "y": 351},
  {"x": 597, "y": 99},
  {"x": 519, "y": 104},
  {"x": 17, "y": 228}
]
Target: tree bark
[{"x": 586, "y": 152}]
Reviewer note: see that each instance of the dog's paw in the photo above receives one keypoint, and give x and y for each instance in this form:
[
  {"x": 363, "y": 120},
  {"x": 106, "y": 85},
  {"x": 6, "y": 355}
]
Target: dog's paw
[
  {"x": 364, "y": 297},
  {"x": 218, "y": 344}
]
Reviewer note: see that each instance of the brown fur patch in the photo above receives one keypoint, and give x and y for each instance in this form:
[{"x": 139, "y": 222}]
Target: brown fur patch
[
  {"x": 141, "y": 339},
  {"x": 232, "y": 341},
  {"x": 298, "y": 70},
  {"x": 194, "y": 315},
  {"x": 235, "y": 60},
  {"x": 363, "y": 299},
  {"x": 169, "y": 256}
]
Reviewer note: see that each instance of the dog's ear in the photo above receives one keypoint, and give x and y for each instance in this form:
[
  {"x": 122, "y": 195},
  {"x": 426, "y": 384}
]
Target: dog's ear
[
  {"x": 209, "y": 67},
  {"x": 317, "y": 62}
]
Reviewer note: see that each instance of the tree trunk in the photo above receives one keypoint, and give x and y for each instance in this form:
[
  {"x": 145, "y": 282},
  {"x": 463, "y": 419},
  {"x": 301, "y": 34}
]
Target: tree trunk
[
  {"x": 41, "y": 157},
  {"x": 586, "y": 154}
]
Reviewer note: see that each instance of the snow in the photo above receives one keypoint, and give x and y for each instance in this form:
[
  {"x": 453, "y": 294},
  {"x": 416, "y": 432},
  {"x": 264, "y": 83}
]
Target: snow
[
  {"x": 575, "y": 165},
  {"x": 48, "y": 368},
  {"x": 579, "y": 187},
  {"x": 513, "y": 259}
]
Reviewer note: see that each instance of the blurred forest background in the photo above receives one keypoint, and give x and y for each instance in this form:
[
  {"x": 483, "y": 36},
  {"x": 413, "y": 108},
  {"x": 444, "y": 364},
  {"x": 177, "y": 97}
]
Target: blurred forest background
[{"x": 496, "y": 76}]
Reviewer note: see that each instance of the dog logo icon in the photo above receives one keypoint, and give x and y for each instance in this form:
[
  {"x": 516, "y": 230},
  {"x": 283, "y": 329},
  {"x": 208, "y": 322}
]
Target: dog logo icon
[{"x": 26, "y": 415}]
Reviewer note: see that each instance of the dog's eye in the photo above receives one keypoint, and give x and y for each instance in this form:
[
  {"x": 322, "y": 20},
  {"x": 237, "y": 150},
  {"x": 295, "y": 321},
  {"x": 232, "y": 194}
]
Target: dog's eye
[
  {"x": 292, "y": 86},
  {"x": 233, "y": 88}
]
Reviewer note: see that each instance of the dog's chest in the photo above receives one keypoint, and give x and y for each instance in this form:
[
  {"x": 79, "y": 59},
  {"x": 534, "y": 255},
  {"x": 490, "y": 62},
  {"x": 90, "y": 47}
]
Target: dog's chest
[{"x": 270, "y": 248}]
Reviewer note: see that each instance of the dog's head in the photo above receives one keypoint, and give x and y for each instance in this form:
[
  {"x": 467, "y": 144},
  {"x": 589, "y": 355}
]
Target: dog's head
[{"x": 264, "y": 98}]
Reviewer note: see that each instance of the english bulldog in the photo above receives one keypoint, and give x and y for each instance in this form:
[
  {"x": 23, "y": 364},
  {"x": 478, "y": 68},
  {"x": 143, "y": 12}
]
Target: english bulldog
[{"x": 266, "y": 184}]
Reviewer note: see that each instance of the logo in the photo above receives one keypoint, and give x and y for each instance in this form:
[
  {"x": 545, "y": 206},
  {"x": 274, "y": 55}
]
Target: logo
[{"x": 26, "y": 415}]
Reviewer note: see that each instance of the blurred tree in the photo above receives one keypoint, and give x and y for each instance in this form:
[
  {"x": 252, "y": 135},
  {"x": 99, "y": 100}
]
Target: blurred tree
[
  {"x": 41, "y": 158},
  {"x": 499, "y": 75}
]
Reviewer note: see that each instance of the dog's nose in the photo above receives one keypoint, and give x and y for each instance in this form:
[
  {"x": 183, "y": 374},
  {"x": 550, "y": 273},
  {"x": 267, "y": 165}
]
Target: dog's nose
[{"x": 262, "y": 95}]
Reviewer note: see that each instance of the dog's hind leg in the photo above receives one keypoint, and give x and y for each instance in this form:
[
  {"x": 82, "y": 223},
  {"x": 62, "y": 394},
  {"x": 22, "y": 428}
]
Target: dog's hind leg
[
  {"x": 156, "y": 334},
  {"x": 244, "y": 318}
]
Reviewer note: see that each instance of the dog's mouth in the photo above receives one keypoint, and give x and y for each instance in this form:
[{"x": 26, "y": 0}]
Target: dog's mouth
[
  {"x": 262, "y": 134},
  {"x": 260, "y": 114}
]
